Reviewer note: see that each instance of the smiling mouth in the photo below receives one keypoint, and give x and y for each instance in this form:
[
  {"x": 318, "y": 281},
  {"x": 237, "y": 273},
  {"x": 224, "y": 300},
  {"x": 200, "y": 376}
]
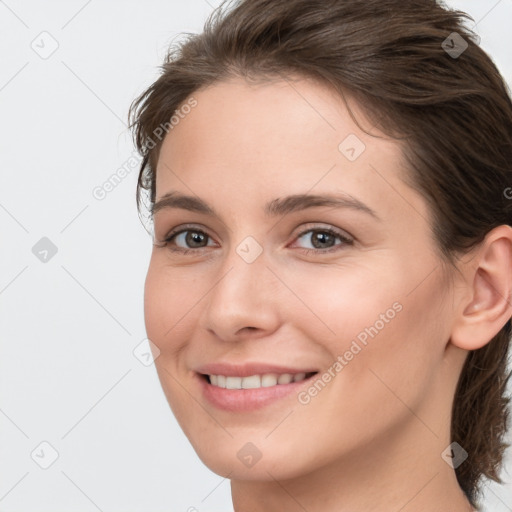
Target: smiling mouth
[{"x": 256, "y": 381}]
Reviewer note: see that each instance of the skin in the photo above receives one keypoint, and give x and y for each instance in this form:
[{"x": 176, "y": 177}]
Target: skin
[{"x": 372, "y": 439}]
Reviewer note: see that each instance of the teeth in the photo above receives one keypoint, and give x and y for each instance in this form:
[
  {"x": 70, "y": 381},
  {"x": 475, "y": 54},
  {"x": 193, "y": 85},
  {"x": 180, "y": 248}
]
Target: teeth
[
  {"x": 285, "y": 378},
  {"x": 255, "y": 381},
  {"x": 233, "y": 382},
  {"x": 269, "y": 379}
]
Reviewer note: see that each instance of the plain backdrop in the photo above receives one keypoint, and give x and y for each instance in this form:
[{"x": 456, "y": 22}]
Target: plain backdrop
[{"x": 75, "y": 392}]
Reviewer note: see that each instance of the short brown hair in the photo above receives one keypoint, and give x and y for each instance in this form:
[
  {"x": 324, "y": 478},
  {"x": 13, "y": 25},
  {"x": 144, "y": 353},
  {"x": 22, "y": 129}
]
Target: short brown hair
[{"x": 453, "y": 112}]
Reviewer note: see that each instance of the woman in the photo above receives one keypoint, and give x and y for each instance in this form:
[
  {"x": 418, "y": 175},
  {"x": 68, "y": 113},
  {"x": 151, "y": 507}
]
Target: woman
[{"x": 329, "y": 287}]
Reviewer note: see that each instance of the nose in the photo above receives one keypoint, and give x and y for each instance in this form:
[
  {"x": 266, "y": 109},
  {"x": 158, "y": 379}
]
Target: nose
[{"x": 243, "y": 300}]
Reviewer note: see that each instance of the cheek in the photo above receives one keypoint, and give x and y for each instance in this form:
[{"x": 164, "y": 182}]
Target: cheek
[
  {"x": 390, "y": 340},
  {"x": 170, "y": 298},
  {"x": 169, "y": 319},
  {"x": 342, "y": 304},
  {"x": 172, "y": 305},
  {"x": 398, "y": 367},
  {"x": 157, "y": 301}
]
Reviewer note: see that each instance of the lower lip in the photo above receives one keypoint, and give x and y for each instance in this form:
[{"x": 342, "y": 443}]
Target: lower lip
[{"x": 240, "y": 400}]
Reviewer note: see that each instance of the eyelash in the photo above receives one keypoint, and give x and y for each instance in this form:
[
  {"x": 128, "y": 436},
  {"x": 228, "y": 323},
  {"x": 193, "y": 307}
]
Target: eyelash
[{"x": 346, "y": 241}]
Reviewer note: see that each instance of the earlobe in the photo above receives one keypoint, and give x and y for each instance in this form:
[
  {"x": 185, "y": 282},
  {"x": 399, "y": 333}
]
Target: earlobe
[{"x": 486, "y": 306}]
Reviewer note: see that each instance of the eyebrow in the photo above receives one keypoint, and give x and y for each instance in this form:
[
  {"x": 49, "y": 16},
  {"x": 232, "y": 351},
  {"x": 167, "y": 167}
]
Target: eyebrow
[{"x": 274, "y": 208}]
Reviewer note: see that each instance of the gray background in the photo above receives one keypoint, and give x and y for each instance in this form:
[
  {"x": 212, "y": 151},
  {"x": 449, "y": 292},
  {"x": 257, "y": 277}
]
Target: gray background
[{"x": 69, "y": 326}]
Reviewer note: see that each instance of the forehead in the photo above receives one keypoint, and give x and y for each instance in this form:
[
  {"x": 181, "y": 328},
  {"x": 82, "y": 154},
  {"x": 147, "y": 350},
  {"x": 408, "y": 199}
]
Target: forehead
[
  {"x": 288, "y": 119},
  {"x": 248, "y": 142}
]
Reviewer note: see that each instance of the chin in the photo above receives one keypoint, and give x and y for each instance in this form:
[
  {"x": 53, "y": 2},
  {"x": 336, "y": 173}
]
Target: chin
[{"x": 243, "y": 460}]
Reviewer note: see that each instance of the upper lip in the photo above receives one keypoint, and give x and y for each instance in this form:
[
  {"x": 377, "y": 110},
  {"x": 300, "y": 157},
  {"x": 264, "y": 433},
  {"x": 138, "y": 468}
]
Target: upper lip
[{"x": 248, "y": 369}]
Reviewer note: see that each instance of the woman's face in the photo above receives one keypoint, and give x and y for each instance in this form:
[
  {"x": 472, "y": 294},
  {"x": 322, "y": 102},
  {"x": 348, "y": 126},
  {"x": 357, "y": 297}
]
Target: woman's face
[{"x": 267, "y": 281}]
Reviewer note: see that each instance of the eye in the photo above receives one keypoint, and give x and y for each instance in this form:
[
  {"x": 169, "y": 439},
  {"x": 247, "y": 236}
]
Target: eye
[
  {"x": 323, "y": 240},
  {"x": 185, "y": 240}
]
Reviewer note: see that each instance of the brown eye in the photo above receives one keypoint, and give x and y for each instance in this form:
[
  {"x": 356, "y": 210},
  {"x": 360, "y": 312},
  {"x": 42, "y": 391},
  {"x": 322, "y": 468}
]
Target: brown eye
[
  {"x": 193, "y": 239},
  {"x": 324, "y": 240},
  {"x": 186, "y": 240}
]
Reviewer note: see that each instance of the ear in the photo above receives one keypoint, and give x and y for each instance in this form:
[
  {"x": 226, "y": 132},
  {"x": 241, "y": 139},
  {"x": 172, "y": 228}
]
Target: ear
[{"x": 485, "y": 304}]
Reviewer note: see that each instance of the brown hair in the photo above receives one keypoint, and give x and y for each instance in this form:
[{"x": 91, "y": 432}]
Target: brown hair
[{"x": 453, "y": 112}]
